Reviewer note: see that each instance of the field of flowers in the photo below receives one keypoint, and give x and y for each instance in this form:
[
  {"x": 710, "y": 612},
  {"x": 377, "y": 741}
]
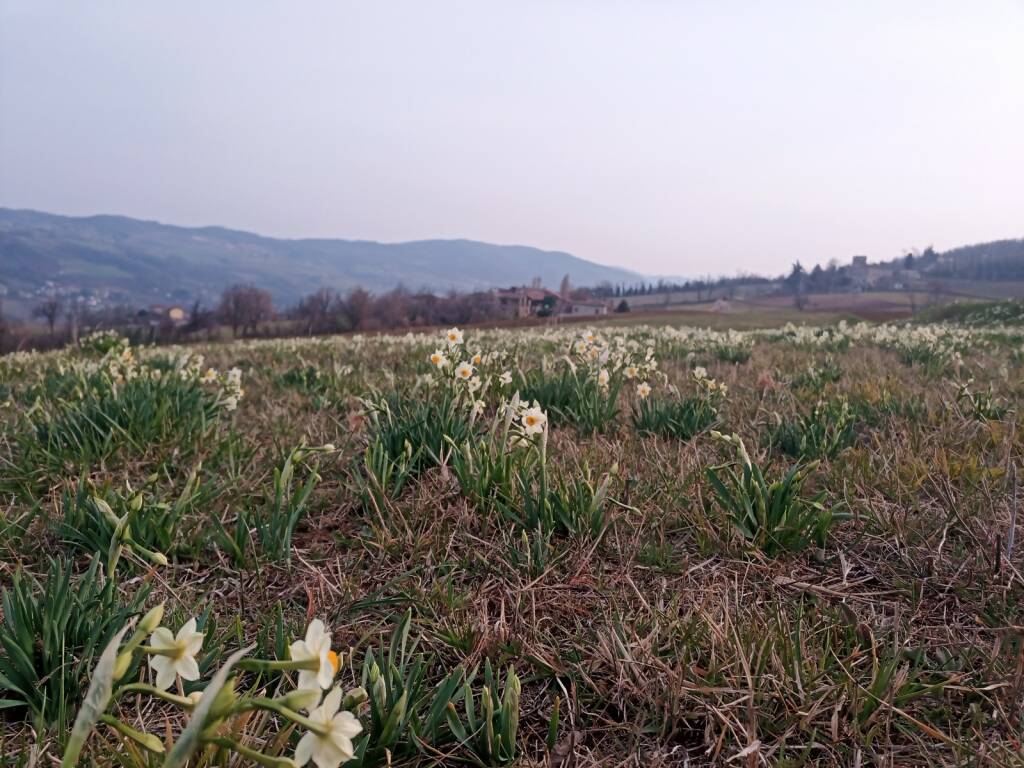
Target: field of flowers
[{"x": 643, "y": 546}]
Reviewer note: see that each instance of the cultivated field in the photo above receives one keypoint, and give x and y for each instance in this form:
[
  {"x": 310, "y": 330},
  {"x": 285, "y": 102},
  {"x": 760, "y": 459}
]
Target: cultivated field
[{"x": 625, "y": 545}]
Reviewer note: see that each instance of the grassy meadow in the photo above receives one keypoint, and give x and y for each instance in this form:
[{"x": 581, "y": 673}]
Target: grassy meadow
[{"x": 615, "y": 545}]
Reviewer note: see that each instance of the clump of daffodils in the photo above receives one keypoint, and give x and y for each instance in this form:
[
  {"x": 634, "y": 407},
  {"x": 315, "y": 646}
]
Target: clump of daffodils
[
  {"x": 327, "y": 730},
  {"x": 715, "y": 390}
]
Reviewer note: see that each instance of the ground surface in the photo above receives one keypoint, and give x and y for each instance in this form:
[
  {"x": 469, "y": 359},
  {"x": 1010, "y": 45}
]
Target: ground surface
[{"x": 662, "y": 631}]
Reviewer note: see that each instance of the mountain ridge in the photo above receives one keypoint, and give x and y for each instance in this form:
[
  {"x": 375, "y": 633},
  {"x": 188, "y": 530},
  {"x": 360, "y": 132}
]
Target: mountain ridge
[{"x": 117, "y": 258}]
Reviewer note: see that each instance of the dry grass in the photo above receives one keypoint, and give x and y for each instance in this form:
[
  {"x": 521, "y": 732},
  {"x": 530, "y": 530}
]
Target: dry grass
[{"x": 667, "y": 641}]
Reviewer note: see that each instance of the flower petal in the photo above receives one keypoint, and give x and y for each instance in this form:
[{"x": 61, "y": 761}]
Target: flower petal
[
  {"x": 165, "y": 673},
  {"x": 194, "y": 643},
  {"x": 343, "y": 745},
  {"x": 299, "y": 651},
  {"x": 325, "y": 675},
  {"x": 346, "y": 724},
  {"x": 332, "y": 702},
  {"x": 161, "y": 638},
  {"x": 314, "y": 632},
  {"x": 305, "y": 747},
  {"x": 309, "y": 679},
  {"x": 187, "y": 630},
  {"x": 187, "y": 667}
]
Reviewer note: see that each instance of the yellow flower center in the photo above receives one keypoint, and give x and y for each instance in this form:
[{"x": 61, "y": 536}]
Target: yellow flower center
[{"x": 335, "y": 661}]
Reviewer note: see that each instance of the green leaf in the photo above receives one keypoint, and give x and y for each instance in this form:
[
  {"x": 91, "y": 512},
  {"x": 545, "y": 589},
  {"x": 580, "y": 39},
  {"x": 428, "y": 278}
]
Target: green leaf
[
  {"x": 190, "y": 738},
  {"x": 97, "y": 698}
]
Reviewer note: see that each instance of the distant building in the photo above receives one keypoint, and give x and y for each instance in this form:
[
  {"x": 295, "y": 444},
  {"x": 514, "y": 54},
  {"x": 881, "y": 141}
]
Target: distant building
[
  {"x": 586, "y": 308},
  {"x": 864, "y": 276},
  {"x": 535, "y": 301},
  {"x": 529, "y": 302}
]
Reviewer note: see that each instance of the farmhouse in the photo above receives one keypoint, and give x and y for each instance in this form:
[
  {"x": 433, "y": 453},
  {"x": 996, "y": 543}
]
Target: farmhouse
[{"x": 535, "y": 301}]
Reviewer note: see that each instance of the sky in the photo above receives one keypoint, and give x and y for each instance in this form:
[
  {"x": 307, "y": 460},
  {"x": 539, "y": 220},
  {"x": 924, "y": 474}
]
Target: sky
[{"x": 673, "y": 138}]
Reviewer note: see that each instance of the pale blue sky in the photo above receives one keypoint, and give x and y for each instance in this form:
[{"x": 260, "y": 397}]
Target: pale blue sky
[{"x": 669, "y": 137}]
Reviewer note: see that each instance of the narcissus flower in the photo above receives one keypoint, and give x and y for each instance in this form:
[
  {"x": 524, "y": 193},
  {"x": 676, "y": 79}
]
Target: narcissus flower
[
  {"x": 533, "y": 420},
  {"x": 643, "y": 389},
  {"x": 438, "y": 358},
  {"x": 464, "y": 371},
  {"x": 454, "y": 336},
  {"x": 331, "y": 746},
  {"x": 174, "y": 655},
  {"x": 602, "y": 378},
  {"x": 316, "y": 646},
  {"x": 505, "y": 378},
  {"x": 631, "y": 371}
]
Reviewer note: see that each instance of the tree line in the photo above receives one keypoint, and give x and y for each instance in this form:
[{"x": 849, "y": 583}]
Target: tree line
[{"x": 249, "y": 311}]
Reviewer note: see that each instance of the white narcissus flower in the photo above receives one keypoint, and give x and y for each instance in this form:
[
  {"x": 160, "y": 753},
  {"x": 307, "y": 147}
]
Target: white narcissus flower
[
  {"x": 643, "y": 389},
  {"x": 175, "y": 655},
  {"x": 438, "y": 358},
  {"x": 533, "y": 420},
  {"x": 317, "y": 645},
  {"x": 505, "y": 378},
  {"x": 454, "y": 336},
  {"x": 463, "y": 371},
  {"x": 631, "y": 371},
  {"x": 333, "y": 746},
  {"x": 602, "y": 378}
]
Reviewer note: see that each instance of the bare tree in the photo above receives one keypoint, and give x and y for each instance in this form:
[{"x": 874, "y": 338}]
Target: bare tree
[
  {"x": 244, "y": 307},
  {"x": 49, "y": 310},
  {"x": 315, "y": 311},
  {"x": 357, "y": 308}
]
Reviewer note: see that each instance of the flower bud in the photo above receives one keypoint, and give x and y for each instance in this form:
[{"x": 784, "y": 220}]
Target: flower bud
[
  {"x": 124, "y": 660},
  {"x": 303, "y": 698},
  {"x": 106, "y": 511},
  {"x": 152, "y": 619},
  {"x": 354, "y": 698}
]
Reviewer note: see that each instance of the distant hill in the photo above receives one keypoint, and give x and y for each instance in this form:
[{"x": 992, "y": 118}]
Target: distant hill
[{"x": 118, "y": 259}]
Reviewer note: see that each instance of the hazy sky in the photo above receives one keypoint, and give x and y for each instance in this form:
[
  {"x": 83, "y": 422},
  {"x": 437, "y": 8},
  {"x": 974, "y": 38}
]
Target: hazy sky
[{"x": 669, "y": 137}]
